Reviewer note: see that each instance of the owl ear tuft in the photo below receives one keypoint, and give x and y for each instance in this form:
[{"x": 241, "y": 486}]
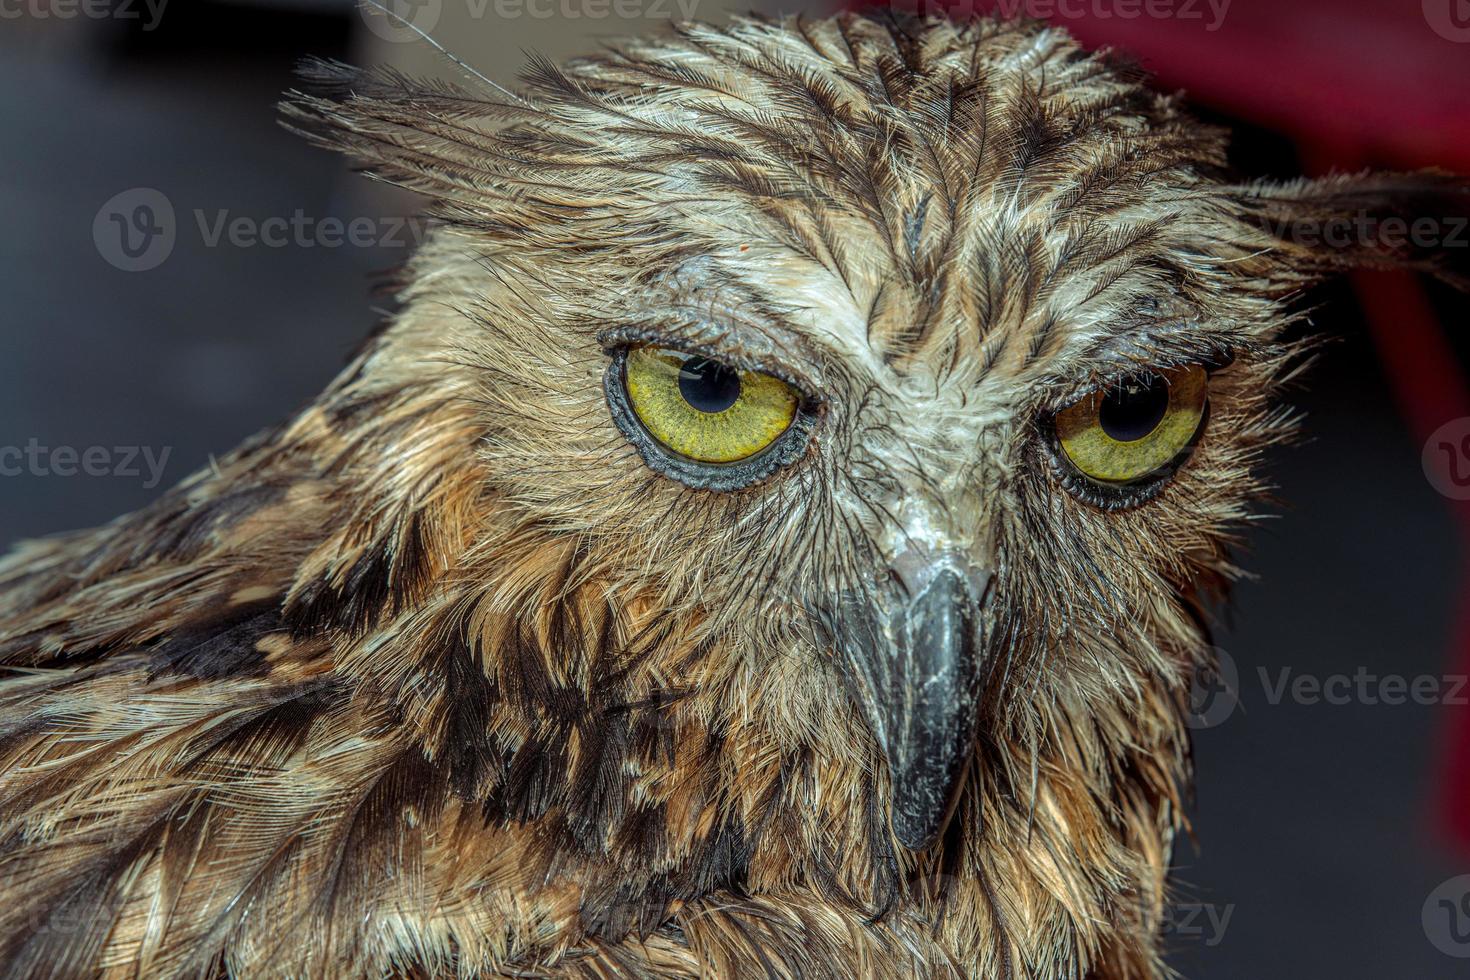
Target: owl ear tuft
[
  {"x": 427, "y": 136},
  {"x": 1415, "y": 220}
]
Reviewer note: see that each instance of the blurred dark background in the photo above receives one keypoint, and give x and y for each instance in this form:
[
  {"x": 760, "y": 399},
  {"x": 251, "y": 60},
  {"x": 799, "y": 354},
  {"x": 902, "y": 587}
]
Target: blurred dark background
[{"x": 1321, "y": 827}]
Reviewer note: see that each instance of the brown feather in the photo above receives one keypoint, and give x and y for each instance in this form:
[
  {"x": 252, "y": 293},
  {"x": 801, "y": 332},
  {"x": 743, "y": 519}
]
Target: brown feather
[{"x": 440, "y": 680}]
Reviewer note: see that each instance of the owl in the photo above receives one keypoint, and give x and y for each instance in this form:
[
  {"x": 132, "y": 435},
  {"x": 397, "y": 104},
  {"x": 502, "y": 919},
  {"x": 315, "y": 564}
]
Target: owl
[{"x": 774, "y": 538}]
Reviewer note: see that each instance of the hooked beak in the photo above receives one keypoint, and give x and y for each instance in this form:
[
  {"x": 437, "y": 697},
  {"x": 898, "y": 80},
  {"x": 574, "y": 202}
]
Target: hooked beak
[{"x": 909, "y": 653}]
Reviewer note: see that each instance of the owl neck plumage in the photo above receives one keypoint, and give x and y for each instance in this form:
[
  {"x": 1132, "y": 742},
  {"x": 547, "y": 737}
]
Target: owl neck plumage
[{"x": 662, "y": 771}]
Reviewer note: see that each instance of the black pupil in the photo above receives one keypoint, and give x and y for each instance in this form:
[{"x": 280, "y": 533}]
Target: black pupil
[
  {"x": 708, "y": 385},
  {"x": 1133, "y": 410}
]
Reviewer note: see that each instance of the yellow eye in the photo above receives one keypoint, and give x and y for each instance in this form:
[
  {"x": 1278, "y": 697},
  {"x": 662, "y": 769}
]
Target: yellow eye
[
  {"x": 705, "y": 410},
  {"x": 1135, "y": 429}
]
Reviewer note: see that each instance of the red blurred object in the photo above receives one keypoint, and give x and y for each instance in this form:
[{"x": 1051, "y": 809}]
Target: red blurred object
[
  {"x": 1389, "y": 80},
  {"x": 1356, "y": 83}
]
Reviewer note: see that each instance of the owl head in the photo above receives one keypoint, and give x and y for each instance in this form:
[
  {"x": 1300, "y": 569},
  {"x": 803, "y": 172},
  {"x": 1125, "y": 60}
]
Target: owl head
[{"x": 920, "y": 369}]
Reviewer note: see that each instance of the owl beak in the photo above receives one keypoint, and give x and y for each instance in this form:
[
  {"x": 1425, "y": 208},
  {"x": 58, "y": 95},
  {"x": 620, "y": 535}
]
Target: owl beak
[{"x": 909, "y": 654}]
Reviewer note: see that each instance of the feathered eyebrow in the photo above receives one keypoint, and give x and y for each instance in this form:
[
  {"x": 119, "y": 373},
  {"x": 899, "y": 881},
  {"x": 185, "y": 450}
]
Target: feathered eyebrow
[
  {"x": 767, "y": 347},
  {"x": 1162, "y": 346}
]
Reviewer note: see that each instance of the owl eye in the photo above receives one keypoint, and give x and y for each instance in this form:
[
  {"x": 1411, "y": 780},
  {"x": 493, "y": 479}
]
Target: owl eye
[
  {"x": 1136, "y": 431},
  {"x": 701, "y": 420}
]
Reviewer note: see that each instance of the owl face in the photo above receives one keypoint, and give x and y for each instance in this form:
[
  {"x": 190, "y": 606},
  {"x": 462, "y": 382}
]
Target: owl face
[
  {"x": 893, "y": 471},
  {"x": 922, "y": 366},
  {"x": 923, "y": 494}
]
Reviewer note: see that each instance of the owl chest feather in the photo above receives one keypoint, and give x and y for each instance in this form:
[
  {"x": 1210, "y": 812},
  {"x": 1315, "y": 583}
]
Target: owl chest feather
[{"x": 567, "y": 787}]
